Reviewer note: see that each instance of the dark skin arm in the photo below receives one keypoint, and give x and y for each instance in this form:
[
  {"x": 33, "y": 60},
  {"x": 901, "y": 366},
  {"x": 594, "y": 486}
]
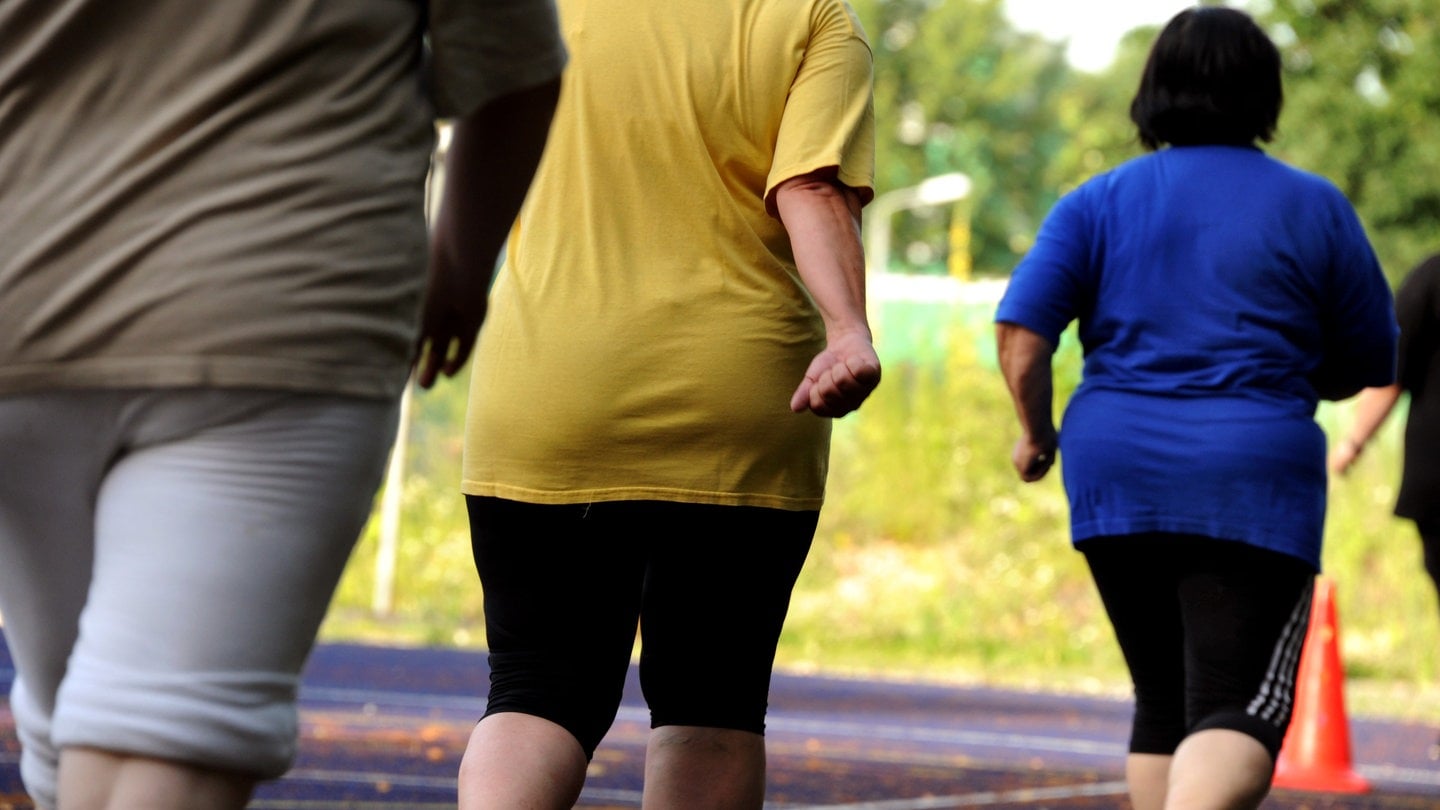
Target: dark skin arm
[
  {"x": 491, "y": 161},
  {"x": 1025, "y": 363}
]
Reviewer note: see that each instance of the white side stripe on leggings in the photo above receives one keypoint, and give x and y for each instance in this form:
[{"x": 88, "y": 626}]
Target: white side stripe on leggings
[{"x": 1277, "y": 691}]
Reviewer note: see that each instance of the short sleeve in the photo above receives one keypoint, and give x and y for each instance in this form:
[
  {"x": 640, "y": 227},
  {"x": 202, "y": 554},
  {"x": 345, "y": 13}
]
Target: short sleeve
[
  {"x": 483, "y": 49},
  {"x": 1359, "y": 323},
  {"x": 829, "y": 119},
  {"x": 1057, "y": 274},
  {"x": 1417, "y": 306}
]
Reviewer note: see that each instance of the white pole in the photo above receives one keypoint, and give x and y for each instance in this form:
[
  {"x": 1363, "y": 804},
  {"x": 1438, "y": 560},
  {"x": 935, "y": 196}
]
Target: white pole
[
  {"x": 382, "y": 600},
  {"x": 931, "y": 191}
]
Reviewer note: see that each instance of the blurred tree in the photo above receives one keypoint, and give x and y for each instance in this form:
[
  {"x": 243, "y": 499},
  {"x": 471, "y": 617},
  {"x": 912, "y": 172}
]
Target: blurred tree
[
  {"x": 1095, "y": 111},
  {"x": 957, "y": 88},
  {"x": 1362, "y": 107}
]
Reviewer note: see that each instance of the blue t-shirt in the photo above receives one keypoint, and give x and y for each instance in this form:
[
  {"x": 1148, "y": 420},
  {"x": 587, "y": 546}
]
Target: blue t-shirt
[{"x": 1215, "y": 287}]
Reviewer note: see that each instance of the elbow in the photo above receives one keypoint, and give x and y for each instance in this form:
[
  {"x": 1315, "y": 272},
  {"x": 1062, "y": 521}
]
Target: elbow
[
  {"x": 1022, "y": 353},
  {"x": 1013, "y": 340},
  {"x": 819, "y": 189}
]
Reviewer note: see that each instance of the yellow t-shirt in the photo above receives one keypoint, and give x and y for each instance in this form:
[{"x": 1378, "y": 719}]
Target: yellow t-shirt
[{"x": 650, "y": 326}]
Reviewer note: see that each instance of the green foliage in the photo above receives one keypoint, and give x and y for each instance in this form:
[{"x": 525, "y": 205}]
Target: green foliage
[
  {"x": 1096, "y": 113},
  {"x": 1360, "y": 102},
  {"x": 932, "y": 559},
  {"x": 436, "y": 596},
  {"x": 931, "y": 556},
  {"x": 1360, "y": 109},
  {"x": 958, "y": 89}
]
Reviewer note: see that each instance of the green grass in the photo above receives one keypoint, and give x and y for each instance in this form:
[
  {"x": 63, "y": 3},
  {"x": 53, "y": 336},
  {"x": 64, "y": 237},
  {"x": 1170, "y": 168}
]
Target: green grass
[{"x": 933, "y": 561}]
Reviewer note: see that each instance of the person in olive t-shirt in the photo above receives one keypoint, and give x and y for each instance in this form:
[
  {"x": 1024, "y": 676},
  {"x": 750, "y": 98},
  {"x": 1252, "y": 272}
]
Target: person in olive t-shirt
[{"x": 213, "y": 258}]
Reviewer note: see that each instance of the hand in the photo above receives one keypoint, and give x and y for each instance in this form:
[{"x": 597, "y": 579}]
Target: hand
[
  {"x": 493, "y": 153},
  {"x": 456, "y": 299},
  {"x": 1343, "y": 457},
  {"x": 1032, "y": 458},
  {"x": 839, "y": 378}
]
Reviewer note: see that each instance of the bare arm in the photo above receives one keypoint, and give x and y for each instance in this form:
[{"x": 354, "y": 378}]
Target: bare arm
[
  {"x": 492, "y": 159},
  {"x": 1025, "y": 363},
  {"x": 1372, "y": 407},
  {"x": 822, "y": 217}
]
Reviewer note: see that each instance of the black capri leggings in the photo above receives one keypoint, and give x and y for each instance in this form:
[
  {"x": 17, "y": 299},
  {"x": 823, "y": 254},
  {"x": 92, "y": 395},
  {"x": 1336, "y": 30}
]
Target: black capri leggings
[
  {"x": 1430, "y": 542},
  {"x": 565, "y": 585},
  {"x": 1211, "y": 630}
]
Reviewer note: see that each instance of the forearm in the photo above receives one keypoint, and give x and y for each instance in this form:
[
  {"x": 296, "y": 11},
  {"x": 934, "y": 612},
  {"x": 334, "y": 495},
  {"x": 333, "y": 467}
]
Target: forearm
[
  {"x": 1025, "y": 362},
  {"x": 488, "y": 168},
  {"x": 822, "y": 218},
  {"x": 823, "y": 221},
  {"x": 492, "y": 158},
  {"x": 1372, "y": 408}
]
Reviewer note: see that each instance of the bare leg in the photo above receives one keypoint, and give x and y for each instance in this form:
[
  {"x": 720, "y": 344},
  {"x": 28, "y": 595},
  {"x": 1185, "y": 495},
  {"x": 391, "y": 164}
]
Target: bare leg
[
  {"x": 704, "y": 769},
  {"x": 1219, "y": 769},
  {"x": 521, "y": 762},
  {"x": 91, "y": 779},
  {"x": 1148, "y": 775}
]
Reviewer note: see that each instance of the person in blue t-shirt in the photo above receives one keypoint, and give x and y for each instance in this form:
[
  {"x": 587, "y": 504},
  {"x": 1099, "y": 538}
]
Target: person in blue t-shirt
[{"x": 1220, "y": 295}]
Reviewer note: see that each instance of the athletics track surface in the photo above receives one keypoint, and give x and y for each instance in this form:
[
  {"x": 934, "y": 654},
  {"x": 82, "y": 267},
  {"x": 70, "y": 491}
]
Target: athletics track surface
[{"x": 384, "y": 729}]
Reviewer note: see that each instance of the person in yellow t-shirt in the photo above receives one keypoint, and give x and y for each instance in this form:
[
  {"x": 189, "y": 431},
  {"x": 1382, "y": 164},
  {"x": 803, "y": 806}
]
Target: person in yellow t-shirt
[{"x": 681, "y": 314}]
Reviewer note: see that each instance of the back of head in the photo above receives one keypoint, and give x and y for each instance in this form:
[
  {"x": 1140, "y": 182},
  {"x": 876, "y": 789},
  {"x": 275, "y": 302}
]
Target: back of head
[{"x": 1212, "y": 77}]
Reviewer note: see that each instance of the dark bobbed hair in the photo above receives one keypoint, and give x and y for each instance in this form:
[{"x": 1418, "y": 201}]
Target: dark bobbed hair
[{"x": 1212, "y": 77}]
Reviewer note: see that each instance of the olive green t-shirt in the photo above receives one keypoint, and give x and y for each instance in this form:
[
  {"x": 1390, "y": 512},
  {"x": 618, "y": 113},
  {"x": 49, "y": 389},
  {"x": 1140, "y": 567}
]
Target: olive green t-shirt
[{"x": 229, "y": 193}]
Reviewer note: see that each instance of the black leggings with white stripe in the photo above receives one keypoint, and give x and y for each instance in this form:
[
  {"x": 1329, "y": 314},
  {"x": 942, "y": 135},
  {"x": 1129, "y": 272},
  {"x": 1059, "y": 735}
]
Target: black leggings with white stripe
[{"x": 1211, "y": 631}]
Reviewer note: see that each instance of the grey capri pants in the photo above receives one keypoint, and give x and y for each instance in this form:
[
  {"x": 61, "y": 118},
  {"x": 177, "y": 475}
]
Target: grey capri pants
[{"x": 168, "y": 557}]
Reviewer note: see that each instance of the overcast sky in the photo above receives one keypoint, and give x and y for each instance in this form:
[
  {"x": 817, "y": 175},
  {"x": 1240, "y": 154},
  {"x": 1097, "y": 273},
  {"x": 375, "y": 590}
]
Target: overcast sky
[{"x": 1093, "y": 29}]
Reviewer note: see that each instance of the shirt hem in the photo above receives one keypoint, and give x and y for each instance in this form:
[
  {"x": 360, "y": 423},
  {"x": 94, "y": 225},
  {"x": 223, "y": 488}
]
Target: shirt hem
[
  {"x": 640, "y": 493},
  {"x": 235, "y": 372},
  {"x": 1249, "y": 535}
]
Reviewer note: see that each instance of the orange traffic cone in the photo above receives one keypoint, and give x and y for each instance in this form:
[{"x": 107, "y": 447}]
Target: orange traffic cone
[{"x": 1316, "y": 751}]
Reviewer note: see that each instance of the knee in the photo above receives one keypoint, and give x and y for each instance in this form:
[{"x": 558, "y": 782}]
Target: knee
[
  {"x": 717, "y": 695},
  {"x": 580, "y": 700},
  {"x": 1159, "y": 723},
  {"x": 1270, "y": 733},
  {"x": 39, "y": 759}
]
